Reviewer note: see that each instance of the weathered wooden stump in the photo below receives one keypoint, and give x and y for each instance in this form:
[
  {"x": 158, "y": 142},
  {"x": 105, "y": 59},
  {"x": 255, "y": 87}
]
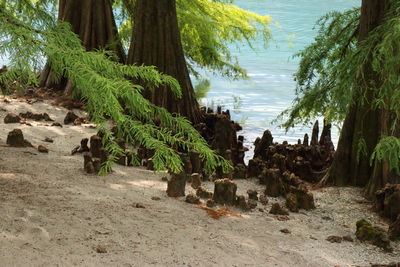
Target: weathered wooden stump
[
  {"x": 96, "y": 146},
  {"x": 196, "y": 180},
  {"x": 277, "y": 209},
  {"x": 70, "y": 117},
  {"x": 84, "y": 145},
  {"x": 195, "y": 161},
  {"x": 315, "y": 132},
  {"x": 375, "y": 235},
  {"x": 240, "y": 172},
  {"x": 103, "y": 155},
  {"x": 15, "y": 138},
  {"x": 305, "y": 199},
  {"x": 96, "y": 164},
  {"x": 305, "y": 140},
  {"x": 252, "y": 194},
  {"x": 121, "y": 159},
  {"x": 187, "y": 164},
  {"x": 88, "y": 165},
  {"x": 279, "y": 161},
  {"x": 176, "y": 185},
  {"x": 225, "y": 191},
  {"x": 387, "y": 201},
  {"x": 241, "y": 203},
  {"x": 274, "y": 183},
  {"x": 291, "y": 202},
  {"x": 262, "y": 145},
  {"x": 254, "y": 168},
  {"x": 12, "y": 118},
  {"x": 192, "y": 199}
]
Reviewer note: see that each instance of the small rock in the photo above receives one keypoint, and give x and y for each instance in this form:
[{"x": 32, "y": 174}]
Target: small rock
[
  {"x": 43, "y": 149},
  {"x": 392, "y": 264},
  {"x": 282, "y": 218},
  {"x": 12, "y": 118},
  {"x": 48, "y": 140},
  {"x": 101, "y": 249},
  {"x": 334, "y": 239},
  {"x": 252, "y": 194},
  {"x": 285, "y": 231},
  {"x": 70, "y": 117},
  {"x": 137, "y": 205},
  {"x": 36, "y": 117},
  {"x": 56, "y": 124},
  {"x": 241, "y": 203},
  {"x": 263, "y": 199},
  {"x": 348, "y": 238},
  {"x": 155, "y": 198},
  {"x": 192, "y": 199},
  {"x": 277, "y": 209},
  {"x": 203, "y": 193},
  {"x": 210, "y": 203},
  {"x": 373, "y": 234},
  {"x": 252, "y": 203},
  {"x": 15, "y": 138},
  {"x": 46, "y": 117}
]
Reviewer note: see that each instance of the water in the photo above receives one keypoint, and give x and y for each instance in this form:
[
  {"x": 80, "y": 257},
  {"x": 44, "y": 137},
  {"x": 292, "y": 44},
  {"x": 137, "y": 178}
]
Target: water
[{"x": 270, "y": 90}]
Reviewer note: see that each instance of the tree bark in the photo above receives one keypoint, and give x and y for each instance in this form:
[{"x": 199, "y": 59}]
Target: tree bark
[
  {"x": 156, "y": 42},
  {"x": 93, "y": 21},
  {"x": 363, "y": 122}
]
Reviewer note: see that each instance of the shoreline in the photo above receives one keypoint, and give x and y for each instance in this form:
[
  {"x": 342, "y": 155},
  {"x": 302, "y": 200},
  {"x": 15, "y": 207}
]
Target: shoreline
[{"x": 55, "y": 214}]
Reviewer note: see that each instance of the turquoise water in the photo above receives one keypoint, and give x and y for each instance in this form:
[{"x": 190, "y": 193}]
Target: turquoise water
[{"x": 270, "y": 90}]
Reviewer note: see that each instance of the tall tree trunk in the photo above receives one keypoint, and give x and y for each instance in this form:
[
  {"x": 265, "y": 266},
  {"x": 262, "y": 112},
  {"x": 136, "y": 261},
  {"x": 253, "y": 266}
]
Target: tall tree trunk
[
  {"x": 351, "y": 165},
  {"x": 93, "y": 21},
  {"x": 156, "y": 42}
]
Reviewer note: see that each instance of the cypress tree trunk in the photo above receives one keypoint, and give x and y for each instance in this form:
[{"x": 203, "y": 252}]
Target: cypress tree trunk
[
  {"x": 93, "y": 21},
  {"x": 363, "y": 123},
  {"x": 156, "y": 42}
]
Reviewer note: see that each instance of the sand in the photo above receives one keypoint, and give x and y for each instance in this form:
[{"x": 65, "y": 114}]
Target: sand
[{"x": 53, "y": 214}]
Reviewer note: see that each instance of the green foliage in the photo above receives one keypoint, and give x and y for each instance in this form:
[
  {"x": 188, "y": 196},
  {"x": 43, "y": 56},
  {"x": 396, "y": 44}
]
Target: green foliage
[
  {"x": 106, "y": 87},
  {"x": 201, "y": 88},
  {"x": 207, "y": 27},
  {"x": 332, "y": 76},
  {"x": 321, "y": 89},
  {"x": 361, "y": 148},
  {"x": 388, "y": 150}
]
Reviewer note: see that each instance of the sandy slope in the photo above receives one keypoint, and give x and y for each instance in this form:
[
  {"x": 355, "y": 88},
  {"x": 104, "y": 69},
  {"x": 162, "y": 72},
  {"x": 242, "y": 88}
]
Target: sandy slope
[{"x": 52, "y": 214}]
